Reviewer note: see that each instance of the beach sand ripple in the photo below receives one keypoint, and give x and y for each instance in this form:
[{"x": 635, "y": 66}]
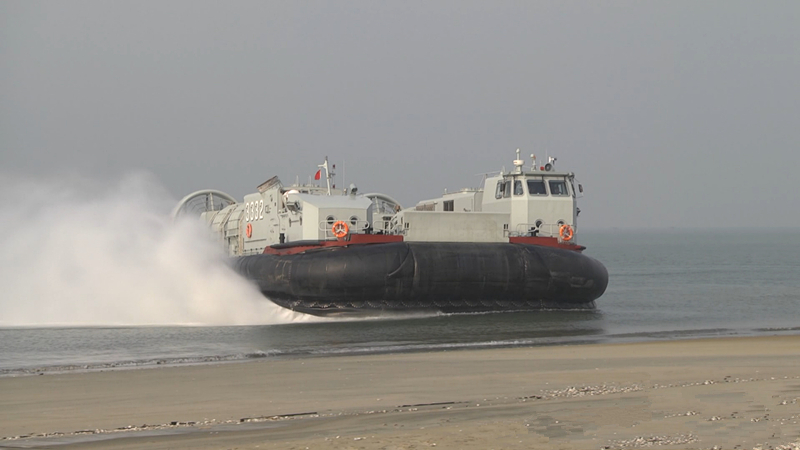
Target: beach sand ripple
[{"x": 731, "y": 393}]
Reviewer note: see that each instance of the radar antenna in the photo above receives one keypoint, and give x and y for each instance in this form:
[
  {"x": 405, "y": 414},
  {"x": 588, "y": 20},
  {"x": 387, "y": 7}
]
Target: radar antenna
[{"x": 518, "y": 164}]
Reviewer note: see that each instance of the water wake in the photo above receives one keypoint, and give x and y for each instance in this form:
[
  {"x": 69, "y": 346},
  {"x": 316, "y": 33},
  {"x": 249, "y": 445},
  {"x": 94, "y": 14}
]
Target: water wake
[{"x": 76, "y": 253}]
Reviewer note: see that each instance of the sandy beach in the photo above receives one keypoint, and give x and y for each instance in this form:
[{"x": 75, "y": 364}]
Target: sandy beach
[{"x": 732, "y": 393}]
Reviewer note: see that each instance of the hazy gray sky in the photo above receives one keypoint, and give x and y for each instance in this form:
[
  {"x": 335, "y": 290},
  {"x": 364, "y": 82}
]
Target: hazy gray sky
[{"x": 671, "y": 113}]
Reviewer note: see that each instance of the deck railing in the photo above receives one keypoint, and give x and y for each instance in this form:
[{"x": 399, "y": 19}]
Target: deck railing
[
  {"x": 360, "y": 227},
  {"x": 542, "y": 230}
]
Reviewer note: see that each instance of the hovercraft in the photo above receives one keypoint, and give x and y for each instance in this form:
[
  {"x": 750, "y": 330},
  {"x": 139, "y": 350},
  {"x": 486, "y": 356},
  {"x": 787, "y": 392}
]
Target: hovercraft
[{"x": 510, "y": 245}]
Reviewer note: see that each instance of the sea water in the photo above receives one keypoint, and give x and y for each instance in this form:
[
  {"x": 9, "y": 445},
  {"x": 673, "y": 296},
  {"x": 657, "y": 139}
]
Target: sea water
[{"x": 663, "y": 284}]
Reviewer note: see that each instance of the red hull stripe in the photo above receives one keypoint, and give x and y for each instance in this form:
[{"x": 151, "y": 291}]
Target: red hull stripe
[
  {"x": 355, "y": 239},
  {"x": 364, "y": 239}
]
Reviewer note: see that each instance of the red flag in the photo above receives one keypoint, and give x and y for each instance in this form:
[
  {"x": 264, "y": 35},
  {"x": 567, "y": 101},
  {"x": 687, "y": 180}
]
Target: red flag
[{"x": 318, "y": 174}]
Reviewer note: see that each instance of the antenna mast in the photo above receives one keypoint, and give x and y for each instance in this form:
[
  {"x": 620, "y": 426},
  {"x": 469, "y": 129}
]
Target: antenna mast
[{"x": 327, "y": 174}]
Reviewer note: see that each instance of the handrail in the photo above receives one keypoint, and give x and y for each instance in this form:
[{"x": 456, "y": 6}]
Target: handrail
[
  {"x": 544, "y": 230},
  {"x": 359, "y": 228}
]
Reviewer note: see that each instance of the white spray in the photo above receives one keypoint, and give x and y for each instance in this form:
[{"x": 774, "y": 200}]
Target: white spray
[{"x": 77, "y": 253}]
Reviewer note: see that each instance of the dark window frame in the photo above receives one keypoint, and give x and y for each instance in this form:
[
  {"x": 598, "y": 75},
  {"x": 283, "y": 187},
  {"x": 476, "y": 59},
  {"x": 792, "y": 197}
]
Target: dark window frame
[
  {"x": 563, "y": 183},
  {"x": 534, "y": 192},
  {"x": 448, "y": 205},
  {"x": 518, "y": 188}
]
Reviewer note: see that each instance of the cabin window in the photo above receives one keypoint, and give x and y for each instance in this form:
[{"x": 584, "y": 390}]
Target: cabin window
[
  {"x": 558, "y": 187},
  {"x": 518, "y": 190},
  {"x": 536, "y": 187},
  {"x": 448, "y": 205},
  {"x": 507, "y": 189},
  {"x": 499, "y": 192}
]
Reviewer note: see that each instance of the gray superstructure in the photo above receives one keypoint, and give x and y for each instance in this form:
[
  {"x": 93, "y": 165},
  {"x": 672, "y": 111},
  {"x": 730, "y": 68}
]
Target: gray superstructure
[{"x": 537, "y": 202}]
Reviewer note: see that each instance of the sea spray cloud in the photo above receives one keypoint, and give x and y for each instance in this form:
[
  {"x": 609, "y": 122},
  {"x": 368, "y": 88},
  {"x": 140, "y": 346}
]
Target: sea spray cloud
[{"x": 74, "y": 252}]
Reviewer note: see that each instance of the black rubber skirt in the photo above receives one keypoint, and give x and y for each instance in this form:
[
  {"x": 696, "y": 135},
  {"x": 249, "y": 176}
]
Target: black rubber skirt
[{"x": 409, "y": 277}]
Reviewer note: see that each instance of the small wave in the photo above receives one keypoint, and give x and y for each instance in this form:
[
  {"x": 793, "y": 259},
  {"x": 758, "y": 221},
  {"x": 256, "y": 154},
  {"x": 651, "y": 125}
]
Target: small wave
[
  {"x": 412, "y": 348},
  {"x": 673, "y": 334},
  {"x": 137, "y": 364},
  {"x": 776, "y": 329}
]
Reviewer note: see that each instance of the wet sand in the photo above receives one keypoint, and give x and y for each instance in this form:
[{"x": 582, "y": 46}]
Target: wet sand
[{"x": 731, "y": 393}]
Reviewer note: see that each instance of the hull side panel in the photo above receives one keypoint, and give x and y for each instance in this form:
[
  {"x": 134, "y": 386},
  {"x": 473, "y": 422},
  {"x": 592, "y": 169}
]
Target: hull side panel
[{"x": 410, "y": 277}]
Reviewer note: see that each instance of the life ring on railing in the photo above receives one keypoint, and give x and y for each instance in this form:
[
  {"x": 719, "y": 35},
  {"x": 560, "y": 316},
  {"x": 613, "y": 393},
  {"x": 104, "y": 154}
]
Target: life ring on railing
[
  {"x": 566, "y": 232},
  {"x": 248, "y": 230},
  {"x": 340, "y": 229}
]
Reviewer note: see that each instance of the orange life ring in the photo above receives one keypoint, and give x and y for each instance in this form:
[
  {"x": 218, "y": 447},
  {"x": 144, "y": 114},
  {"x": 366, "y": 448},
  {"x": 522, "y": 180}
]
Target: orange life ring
[
  {"x": 249, "y": 230},
  {"x": 340, "y": 229},
  {"x": 566, "y": 232}
]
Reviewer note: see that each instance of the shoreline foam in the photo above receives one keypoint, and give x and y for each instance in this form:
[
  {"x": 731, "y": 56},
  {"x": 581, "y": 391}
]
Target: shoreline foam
[{"x": 105, "y": 364}]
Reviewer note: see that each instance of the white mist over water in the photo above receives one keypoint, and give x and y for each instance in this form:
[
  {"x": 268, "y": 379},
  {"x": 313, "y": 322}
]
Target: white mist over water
[{"x": 74, "y": 252}]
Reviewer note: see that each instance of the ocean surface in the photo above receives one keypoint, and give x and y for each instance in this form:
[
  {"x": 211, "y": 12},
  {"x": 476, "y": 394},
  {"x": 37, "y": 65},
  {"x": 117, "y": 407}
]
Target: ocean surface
[{"x": 663, "y": 284}]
